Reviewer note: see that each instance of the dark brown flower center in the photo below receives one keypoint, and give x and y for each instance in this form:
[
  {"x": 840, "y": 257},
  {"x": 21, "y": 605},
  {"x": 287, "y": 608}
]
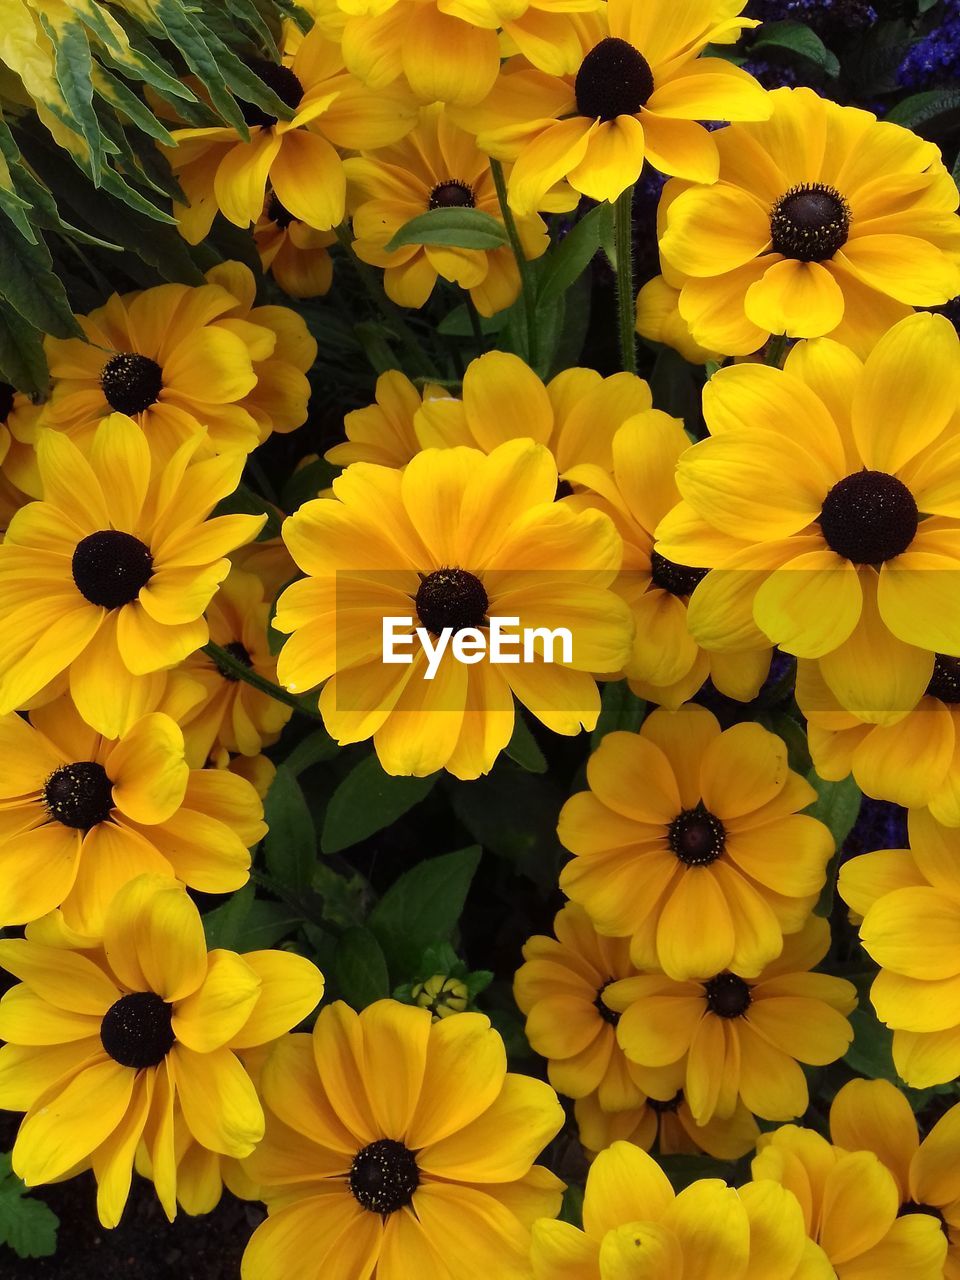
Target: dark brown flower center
[
  {"x": 810, "y": 223},
  {"x": 136, "y": 1031},
  {"x": 727, "y": 995},
  {"x": 614, "y": 80},
  {"x": 79, "y": 795},
  {"x": 678, "y": 579},
  {"x": 384, "y": 1176},
  {"x": 284, "y": 84},
  {"x": 7, "y": 394},
  {"x": 452, "y": 194},
  {"x": 131, "y": 383},
  {"x": 606, "y": 1013},
  {"x": 945, "y": 681},
  {"x": 110, "y": 567},
  {"x": 278, "y": 213},
  {"x": 697, "y": 836},
  {"x": 451, "y": 598},
  {"x": 869, "y": 517},
  {"x": 238, "y": 651}
]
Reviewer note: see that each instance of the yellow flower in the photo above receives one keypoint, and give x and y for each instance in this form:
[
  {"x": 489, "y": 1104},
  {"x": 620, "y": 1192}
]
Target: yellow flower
[
  {"x": 455, "y": 539},
  {"x": 104, "y": 1047},
  {"x": 399, "y": 1145},
  {"x": 108, "y": 577},
  {"x": 912, "y": 759},
  {"x": 293, "y": 253},
  {"x": 659, "y": 320},
  {"x": 636, "y": 93},
  {"x": 449, "y": 50},
  {"x": 910, "y": 903},
  {"x": 823, "y": 221},
  {"x": 636, "y": 1226},
  {"x": 299, "y": 158},
  {"x": 232, "y": 715},
  {"x": 18, "y": 433},
  {"x": 167, "y": 357},
  {"x": 669, "y": 1124},
  {"x": 667, "y": 665},
  {"x": 872, "y": 1115},
  {"x": 827, "y": 500},
  {"x": 690, "y": 842},
  {"x": 850, "y": 1204},
  {"x": 738, "y": 1038},
  {"x": 576, "y": 414},
  {"x": 438, "y": 166},
  {"x": 83, "y": 814},
  {"x": 281, "y": 361}
]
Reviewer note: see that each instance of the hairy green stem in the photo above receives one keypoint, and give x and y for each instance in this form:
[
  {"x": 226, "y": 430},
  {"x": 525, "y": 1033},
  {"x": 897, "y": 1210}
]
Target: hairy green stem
[
  {"x": 233, "y": 668},
  {"x": 626, "y": 302},
  {"x": 528, "y": 286}
]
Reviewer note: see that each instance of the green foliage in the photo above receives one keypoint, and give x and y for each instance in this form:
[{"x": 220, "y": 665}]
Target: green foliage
[
  {"x": 27, "y": 1225},
  {"x": 457, "y": 228},
  {"x": 290, "y": 846},
  {"x": 361, "y": 968},
  {"x": 422, "y": 907},
  {"x": 366, "y": 801},
  {"x": 798, "y": 39}
]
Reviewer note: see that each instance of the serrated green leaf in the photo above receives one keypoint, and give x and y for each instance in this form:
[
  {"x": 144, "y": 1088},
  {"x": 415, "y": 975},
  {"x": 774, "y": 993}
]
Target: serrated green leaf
[
  {"x": 458, "y": 228},
  {"x": 366, "y": 801},
  {"x": 422, "y": 907},
  {"x": 290, "y": 845},
  {"x": 798, "y": 39},
  {"x": 360, "y": 968},
  {"x": 23, "y": 363},
  {"x": 564, "y": 263},
  {"x": 27, "y": 1225},
  {"x": 920, "y": 108}
]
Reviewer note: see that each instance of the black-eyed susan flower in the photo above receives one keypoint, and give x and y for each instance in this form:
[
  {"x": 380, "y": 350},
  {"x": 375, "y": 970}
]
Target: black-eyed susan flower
[
  {"x": 635, "y": 1225},
  {"x": 825, "y": 497},
  {"x": 850, "y": 1206},
  {"x": 823, "y": 221},
  {"x": 83, "y": 814},
  {"x": 438, "y": 166},
  {"x": 742, "y": 1038},
  {"x": 395, "y": 1144},
  {"x": 19, "y": 416},
  {"x": 299, "y": 158},
  {"x": 638, "y": 92},
  {"x": 873, "y": 1115},
  {"x": 383, "y": 432},
  {"x": 910, "y": 903},
  {"x": 233, "y": 716},
  {"x": 164, "y": 357},
  {"x": 666, "y": 1125},
  {"x": 910, "y": 757},
  {"x": 108, "y": 577},
  {"x": 104, "y": 1047},
  {"x": 294, "y": 254},
  {"x": 278, "y": 401},
  {"x": 667, "y": 665},
  {"x": 455, "y": 540},
  {"x": 691, "y": 843},
  {"x": 659, "y": 320}
]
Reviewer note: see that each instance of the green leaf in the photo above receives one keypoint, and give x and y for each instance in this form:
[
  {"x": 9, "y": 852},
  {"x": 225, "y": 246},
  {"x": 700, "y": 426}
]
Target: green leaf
[
  {"x": 244, "y": 502},
  {"x": 793, "y": 734},
  {"x": 620, "y": 708},
  {"x": 522, "y": 747},
  {"x": 315, "y": 748},
  {"x": 223, "y": 926},
  {"x": 920, "y": 108},
  {"x": 27, "y": 1225},
  {"x": 22, "y": 360},
  {"x": 423, "y": 907},
  {"x": 366, "y": 801},
  {"x": 187, "y": 35},
  {"x": 290, "y": 845},
  {"x": 113, "y": 91},
  {"x": 563, "y": 265},
  {"x": 836, "y": 806},
  {"x": 871, "y": 1053},
  {"x": 360, "y": 968},
  {"x": 307, "y": 482},
  {"x": 247, "y": 923},
  {"x": 29, "y": 285},
  {"x": 571, "y": 1210},
  {"x": 798, "y": 39},
  {"x": 459, "y": 228}
]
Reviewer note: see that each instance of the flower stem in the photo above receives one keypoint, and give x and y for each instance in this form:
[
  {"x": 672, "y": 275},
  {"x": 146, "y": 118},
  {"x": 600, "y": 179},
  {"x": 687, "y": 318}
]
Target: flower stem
[
  {"x": 626, "y": 302},
  {"x": 528, "y": 287},
  {"x": 234, "y": 669}
]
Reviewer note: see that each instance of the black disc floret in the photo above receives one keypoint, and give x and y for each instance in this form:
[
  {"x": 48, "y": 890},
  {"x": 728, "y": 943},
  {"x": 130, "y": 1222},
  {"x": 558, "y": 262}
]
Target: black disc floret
[
  {"x": 137, "y": 1030},
  {"x": 451, "y": 598},
  {"x": 238, "y": 651},
  {"x": 7, "y": 394},
  {"x": 278, "y": 213},
  {"x": 614, "y": 80},
  {"x": 697, "y": 836},
  {"x": 727, "y": 995},
  {"x": 810, "y": 223},
  {"x": 452, "y": 194},
  {"x": 678, "y": 579},
  {"x": 869, "y": 517},
  {"x": 284, "y": 83},
  {"x": 945, "y": 681},
  {"x": 606, "y": 1013},
  {"x": 384, "y": 1176},
  {"x": 110, "y": 567},
  {"x": 130, "y": 382},
  {"x": 79, "y": 795}
]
